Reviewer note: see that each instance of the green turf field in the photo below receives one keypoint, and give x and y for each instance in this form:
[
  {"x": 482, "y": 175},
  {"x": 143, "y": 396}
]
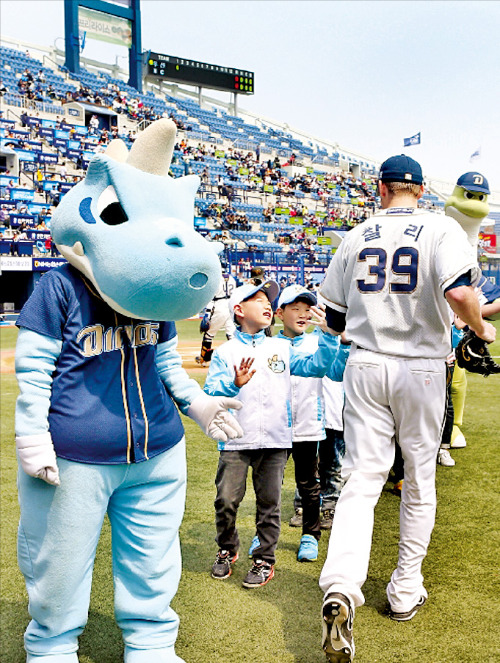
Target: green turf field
[{"x": 280, "y": 623}]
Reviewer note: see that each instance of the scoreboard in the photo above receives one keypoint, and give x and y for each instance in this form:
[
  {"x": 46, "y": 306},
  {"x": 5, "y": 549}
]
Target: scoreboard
[{"x": 191, "y": 72}]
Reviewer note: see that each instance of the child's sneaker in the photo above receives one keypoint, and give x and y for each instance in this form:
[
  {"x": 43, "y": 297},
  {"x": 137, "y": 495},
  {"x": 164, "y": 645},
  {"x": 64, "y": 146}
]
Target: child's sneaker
[
  {"x": 326, "y": 521},
  {"x": 255, "y": 544},
  {"x": 296, "y": 519},
  {"x": 308, "y": 549},
  {"x": 260, "y": 574},
  {"x": 221, "y": 568}
]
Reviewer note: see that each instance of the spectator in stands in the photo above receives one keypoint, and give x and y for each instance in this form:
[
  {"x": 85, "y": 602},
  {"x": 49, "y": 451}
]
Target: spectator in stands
[
  {"x": 39, "y": 179},
  {"x": 93, "y": 124},
  {"x": 18, "y": 236},
  {"x": 63, "y": 172},
  {"x": 3, "y": 89}
]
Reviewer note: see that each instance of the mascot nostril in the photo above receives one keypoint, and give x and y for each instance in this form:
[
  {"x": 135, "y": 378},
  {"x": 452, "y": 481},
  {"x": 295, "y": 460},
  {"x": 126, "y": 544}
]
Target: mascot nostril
[
  {"x": 97, "y": 335},
  {"x": 174, "y": 241},
  {"x": 198, "y": 281}
]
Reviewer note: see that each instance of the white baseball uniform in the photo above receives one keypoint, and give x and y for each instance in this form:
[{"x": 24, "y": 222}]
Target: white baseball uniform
[
  {"x": 389, "y": 276},
  {"x": 221, "y": 317}
]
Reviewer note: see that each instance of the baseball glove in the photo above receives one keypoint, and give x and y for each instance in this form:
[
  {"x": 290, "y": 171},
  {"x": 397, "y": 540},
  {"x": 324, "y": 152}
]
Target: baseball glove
[{"x": 473, "y": 355}]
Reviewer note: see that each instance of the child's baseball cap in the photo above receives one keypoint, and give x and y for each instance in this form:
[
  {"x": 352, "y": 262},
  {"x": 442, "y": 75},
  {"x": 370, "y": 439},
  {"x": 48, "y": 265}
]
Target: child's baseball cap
[
  {"x": 294, "y": 292},
  {"x": 244, "y": 292},
  {"x": 401, "y": 168}
]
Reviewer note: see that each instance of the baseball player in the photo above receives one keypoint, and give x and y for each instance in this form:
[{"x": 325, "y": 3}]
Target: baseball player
[
  {"x": 219, "y": 316},
  {"x": 388, "y": 286}
]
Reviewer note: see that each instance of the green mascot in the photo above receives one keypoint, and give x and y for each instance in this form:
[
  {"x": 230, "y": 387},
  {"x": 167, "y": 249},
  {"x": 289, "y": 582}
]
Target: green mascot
[{"x": 468, "y": 204}]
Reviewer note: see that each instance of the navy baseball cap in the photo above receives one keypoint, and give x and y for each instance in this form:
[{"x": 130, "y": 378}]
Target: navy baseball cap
[
  {"x": 474, "y": 182},
  {"x": 293, "y": 292},
  {"x": 401, "y": 169}
]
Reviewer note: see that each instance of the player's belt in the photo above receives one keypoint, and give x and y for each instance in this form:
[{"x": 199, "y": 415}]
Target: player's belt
[{"x": 216, "y": 299}]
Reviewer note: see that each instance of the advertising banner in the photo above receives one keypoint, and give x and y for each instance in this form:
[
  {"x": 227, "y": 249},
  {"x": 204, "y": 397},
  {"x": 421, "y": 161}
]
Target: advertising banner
[
  {"x": 13, "y": 264},
  {"x": 44, "y": 264},
  {"x": 487, "y": 242},
  {"x": 105, "y": 27}
]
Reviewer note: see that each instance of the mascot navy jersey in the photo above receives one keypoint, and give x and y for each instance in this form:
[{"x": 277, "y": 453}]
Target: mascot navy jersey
[{"x": 105, "y": 386}]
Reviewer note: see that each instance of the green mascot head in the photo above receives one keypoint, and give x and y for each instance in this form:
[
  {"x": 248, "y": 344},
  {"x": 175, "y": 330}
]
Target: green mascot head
[{"x": 468, "y": 203}]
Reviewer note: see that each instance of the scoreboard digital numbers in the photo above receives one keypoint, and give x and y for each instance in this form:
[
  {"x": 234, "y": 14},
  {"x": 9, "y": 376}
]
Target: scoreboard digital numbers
[{"x": 191, "y": 72}]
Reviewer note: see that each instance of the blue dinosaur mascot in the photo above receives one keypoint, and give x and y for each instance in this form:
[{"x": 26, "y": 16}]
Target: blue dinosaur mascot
[{"x": 97, "y": 428}]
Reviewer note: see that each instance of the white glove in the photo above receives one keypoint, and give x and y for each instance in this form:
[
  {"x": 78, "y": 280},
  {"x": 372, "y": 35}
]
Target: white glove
[
  {"x": 38, "y": 458},
  {"x": 212, "y": 416}
]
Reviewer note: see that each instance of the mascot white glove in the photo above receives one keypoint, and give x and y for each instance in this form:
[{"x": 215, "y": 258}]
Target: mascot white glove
[
  {"x": 212, "y": 416},
  {"x": 38, "y": 458}
]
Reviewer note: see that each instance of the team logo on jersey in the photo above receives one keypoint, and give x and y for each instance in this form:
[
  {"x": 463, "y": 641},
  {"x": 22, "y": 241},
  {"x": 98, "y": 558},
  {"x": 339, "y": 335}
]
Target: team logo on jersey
[
  {"x": 95, "y": 339},
  {"x": 276, "y": 365}
]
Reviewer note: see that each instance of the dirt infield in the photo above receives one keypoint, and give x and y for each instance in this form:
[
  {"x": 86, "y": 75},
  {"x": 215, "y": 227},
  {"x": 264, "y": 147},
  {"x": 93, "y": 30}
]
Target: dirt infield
[{"x": 187, "y": 350}]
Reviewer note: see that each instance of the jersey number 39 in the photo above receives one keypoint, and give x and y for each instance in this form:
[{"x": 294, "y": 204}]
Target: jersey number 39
[{"x": 404, "y": 265}]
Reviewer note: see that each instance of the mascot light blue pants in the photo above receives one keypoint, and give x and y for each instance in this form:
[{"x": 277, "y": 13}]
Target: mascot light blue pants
[{"x": 145, "y": 504}]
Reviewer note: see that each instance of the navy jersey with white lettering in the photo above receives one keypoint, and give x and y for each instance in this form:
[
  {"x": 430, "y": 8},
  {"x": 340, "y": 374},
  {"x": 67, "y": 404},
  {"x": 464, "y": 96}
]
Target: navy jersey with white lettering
[{"x": 108, "y": 404}]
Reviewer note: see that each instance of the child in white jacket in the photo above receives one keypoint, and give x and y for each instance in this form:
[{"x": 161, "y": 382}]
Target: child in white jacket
[
  {"x": 308, "y": 411},
  {"x": 256, "y": 369}
]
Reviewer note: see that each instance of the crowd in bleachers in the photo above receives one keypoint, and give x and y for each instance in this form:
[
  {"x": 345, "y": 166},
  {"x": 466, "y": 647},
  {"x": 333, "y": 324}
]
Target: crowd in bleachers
[{"x": 262, "y": 189}]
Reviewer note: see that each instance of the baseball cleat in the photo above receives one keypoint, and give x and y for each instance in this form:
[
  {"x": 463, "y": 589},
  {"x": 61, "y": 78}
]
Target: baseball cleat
[
  {"x": 200, "y": 361},
  {"x": 406, "y": 616},
  {"x": 338, "y": 617}
]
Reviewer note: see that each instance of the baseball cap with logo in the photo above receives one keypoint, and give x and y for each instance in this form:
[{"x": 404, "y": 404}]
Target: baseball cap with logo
[
  {"x": 244, "y": 292},
  {"x": 401, "y": 168},
  {"x": 474, "y": 182},
  {"x": 294, "y": 292}
]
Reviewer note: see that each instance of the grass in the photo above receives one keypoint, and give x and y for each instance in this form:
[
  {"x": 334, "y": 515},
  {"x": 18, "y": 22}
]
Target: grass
[{"x": 221, "y": 621}]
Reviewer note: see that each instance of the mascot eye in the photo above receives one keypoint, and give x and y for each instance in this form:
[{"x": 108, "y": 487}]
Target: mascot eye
[
  {"x": 110, "y": 209},
  {"x": 480, "y": 197},
  {"x": 469, "y": 195}
]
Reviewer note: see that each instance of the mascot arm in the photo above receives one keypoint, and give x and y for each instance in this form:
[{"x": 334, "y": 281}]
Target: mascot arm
[
  {"x": 177, "y": 382},
  {"x": 36, "y": 357},
  {"x": 209, "y": 413}
]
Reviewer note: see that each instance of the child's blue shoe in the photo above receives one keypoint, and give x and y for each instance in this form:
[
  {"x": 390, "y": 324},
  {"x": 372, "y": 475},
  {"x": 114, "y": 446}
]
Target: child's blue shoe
[
  {"x": 308, "y": 549},
  {"x": 255, "y": 544}
]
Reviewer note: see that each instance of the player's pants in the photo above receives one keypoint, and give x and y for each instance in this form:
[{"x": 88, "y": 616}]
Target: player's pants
[
  {"x": 268, "y": 466},
  {"x": 58, "y": 534},
  {"x": 221, "y": 319},
  {"x": 386, "y": 397}
]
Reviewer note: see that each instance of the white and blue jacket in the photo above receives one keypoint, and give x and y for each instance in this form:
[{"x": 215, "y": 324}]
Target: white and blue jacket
[
  {"x": 308, "y": 403},
  {"x": 266, "y": 415}
]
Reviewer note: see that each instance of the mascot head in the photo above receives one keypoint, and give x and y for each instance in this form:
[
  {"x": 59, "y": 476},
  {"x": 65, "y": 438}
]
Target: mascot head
[
  {"x": 468, "y": 204},
  {"x": 128, "y": 227}
]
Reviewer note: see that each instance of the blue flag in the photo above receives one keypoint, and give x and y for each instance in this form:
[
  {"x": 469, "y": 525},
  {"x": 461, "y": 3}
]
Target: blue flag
[{"x": 412, "y": 140}]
